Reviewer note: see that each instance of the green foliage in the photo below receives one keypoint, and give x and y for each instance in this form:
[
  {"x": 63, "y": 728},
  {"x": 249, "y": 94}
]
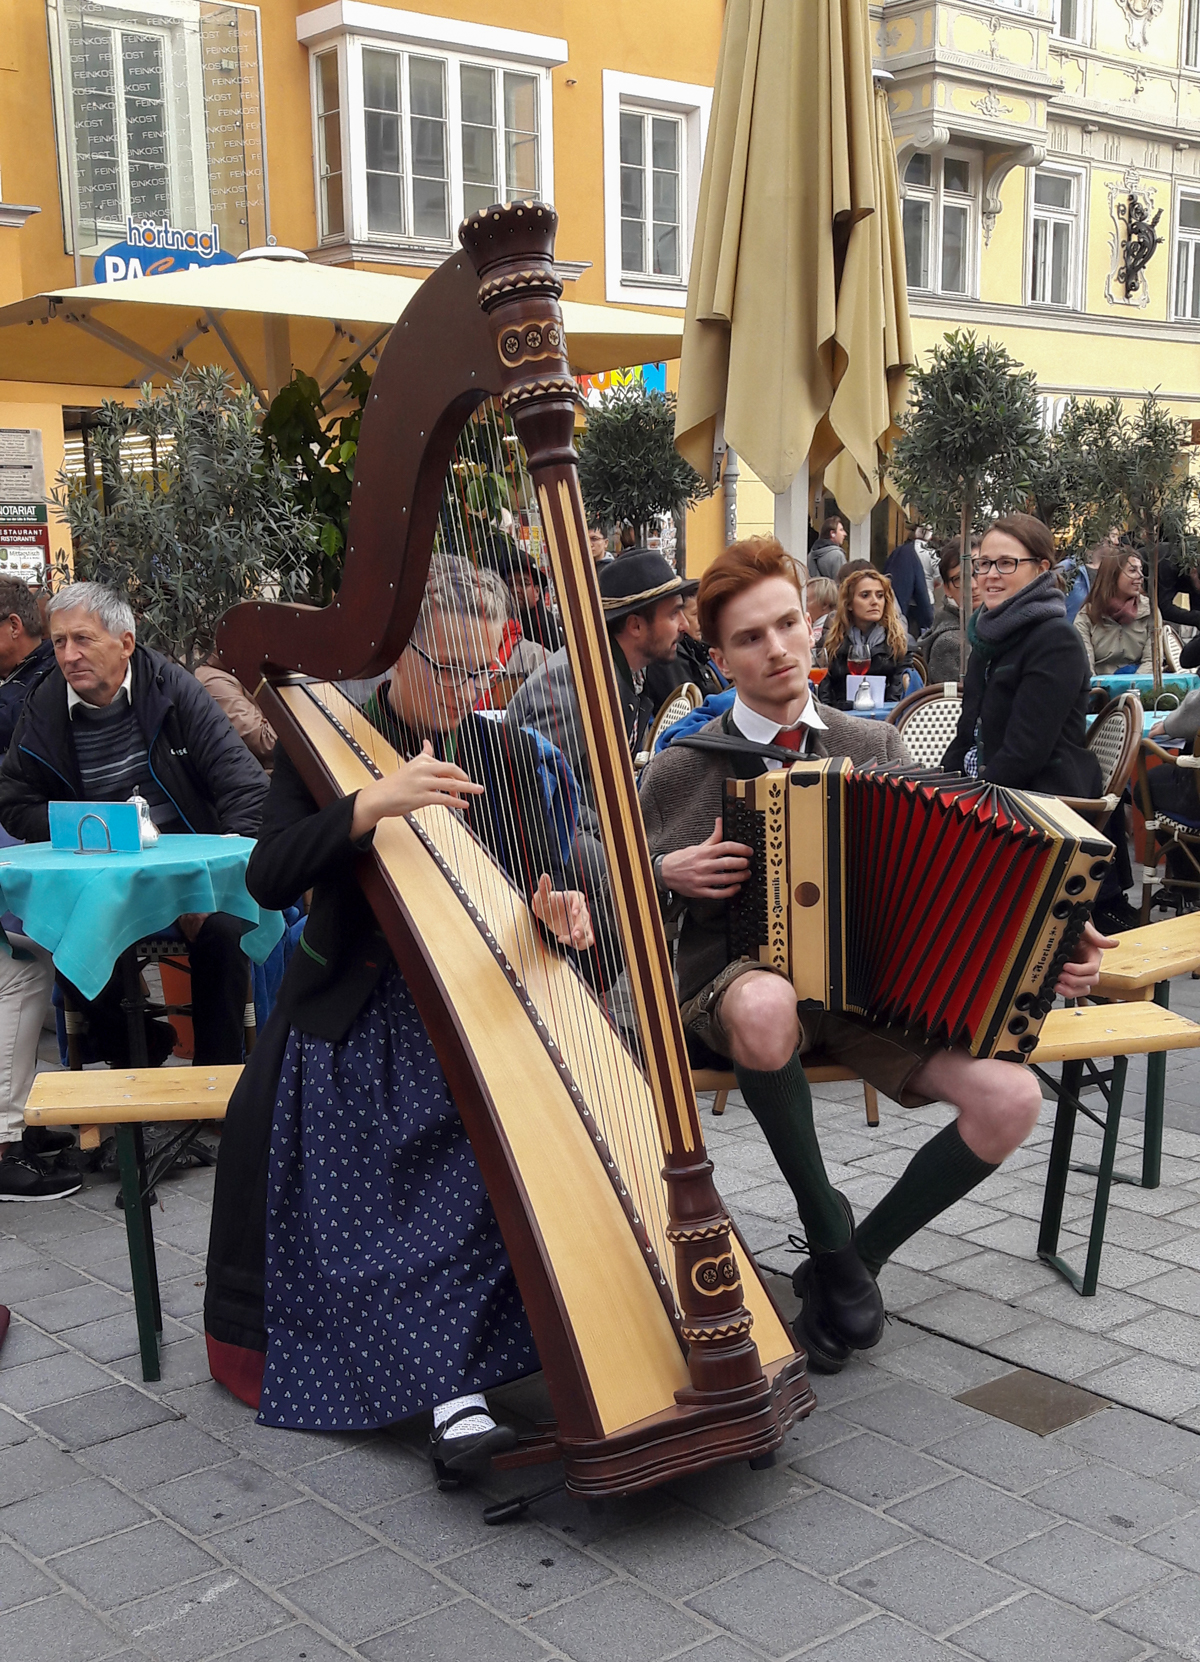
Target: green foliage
[
  {"x": 1128, "y": 471},
  {"x": 972, "y": 435},
  {"x": 297, "y": 433},
  {"x": 212, "y": 520},
  {"x": 629, "y": 468}
]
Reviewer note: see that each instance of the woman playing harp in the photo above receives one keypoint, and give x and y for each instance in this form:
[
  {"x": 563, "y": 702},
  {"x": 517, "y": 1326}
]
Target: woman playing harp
[{"x": 378, "y": 1230}]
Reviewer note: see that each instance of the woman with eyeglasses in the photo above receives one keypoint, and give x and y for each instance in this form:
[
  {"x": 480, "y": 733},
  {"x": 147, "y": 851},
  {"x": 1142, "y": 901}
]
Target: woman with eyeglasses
[
  {"x": 356, "y": 1274},
  {"x": 1028, "y": 678},
  {"x": 1114, "y": 621}
]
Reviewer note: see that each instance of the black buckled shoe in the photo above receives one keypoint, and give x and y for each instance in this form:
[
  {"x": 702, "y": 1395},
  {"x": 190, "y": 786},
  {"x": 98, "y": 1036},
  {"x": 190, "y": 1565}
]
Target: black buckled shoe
[
  {"x": 846, "y": 1294},
  {"x": 459, "y": 1460},
  {"x": 826, "y": 1351}
]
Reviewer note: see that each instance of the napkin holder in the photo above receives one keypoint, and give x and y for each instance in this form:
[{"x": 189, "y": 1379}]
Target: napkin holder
[{"x": 95, "y": 827}]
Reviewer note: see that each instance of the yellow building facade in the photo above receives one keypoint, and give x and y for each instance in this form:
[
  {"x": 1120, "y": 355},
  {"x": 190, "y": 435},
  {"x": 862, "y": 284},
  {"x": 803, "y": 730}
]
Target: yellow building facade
[{"x": 360, "y": 133}]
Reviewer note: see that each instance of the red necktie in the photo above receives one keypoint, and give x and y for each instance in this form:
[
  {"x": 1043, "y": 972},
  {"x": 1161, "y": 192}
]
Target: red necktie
[{"x": 788, "y": 738}]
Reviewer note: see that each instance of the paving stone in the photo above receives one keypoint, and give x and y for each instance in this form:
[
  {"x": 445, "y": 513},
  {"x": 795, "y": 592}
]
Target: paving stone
[
  {"x": 972, "y": 1517},
  {"x": 872, "y": 1470},
  {"x": 358, "y": 1479},
  {"x": 1168, "y": 1333},
  {"x": 13, "y": 1430},
  {"x": 94, "y": 1244},
  {"x": 451, "y": 1634},
  {"x": 100, "y": 1416},
  {"x": 826, "y": 1534},
  {"x": 777, "y": 1608},
  {"x": 1082, "y": 1569},
  {"x": 723, "y": 1649},
  {"x": 928, "y": 1251},
  {"x": 183, "y": 1295},
  {"x": 280, "y": 1546},
  {"x": 1167, "y": 1615},
  {"x": 944, "y": 1366},
  {"x": 902, "y": 1287},
  {"x": 20, "y": 1580},
  {"x": 996, "y": 1273},
  {"x": 518, "y": 1575},
  {"x": 913, "y": 1415},
  {"x": 1038, "y": 1627},
  {"x": 882, "y": 1640},
  {"x": 1006, "y": 1455},
  {"x": 1165, "y": 1389},
  {"x": 1065, "y": 1352},
  {"x": 108, "y": 1339},
  {"x": 116, "y": 1273},
  {"x": 678, "y": 1553},
  {"x": 1142, "y": 1232},
  {"x": 733, "y": 1492},
  {"x": 35, "y": 1468},
  {"x": 857, "y": 1379},
  {"x": 37, "y": 1278},
  {"x": 183, "y": 1362},
  {"x": 55, "y": 1630},
  {"x": 1105, "y": 1313},
  {"x": 145, "y": 1458},
  {"x": 930, "y": 1586},
  {"x": 148, "y": 1559},
  {"x": 201, "y": 1619},
  {"x": 74, "y": 1306},
  {"x": 368, "y": 1595},
  {"x": 1178, "y": 1542},
  {"x": 300, "y": 1643},
  {"x": 62, "y": 1518},
  {"x": 1134, "y": 1442},
  {"x": 1118, "y": 1504},
  {"x": 53, "y": 1379},
  {"x": 14, "y": 1255},
  {"x": 284, "y": 1451},
  {"x": 617, "y": 1623},
  {"x": 25, "y": 1343},
  {"x": 213, "y": 1499},
  {"x": 432, "y": 1526}
]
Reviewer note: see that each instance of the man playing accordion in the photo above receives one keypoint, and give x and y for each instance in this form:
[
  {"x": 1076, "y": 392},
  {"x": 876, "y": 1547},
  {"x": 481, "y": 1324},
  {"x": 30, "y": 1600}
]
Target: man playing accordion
[{"x": 752, "y": 613}]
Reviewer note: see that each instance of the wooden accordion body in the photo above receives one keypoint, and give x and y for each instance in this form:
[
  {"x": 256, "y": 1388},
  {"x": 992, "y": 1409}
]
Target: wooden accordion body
[
  {"x": 927, "y": 900},
  {"x": 662, "y": 1349}
]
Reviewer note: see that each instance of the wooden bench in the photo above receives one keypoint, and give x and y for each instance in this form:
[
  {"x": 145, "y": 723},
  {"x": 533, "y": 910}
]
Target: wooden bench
[
  {"x": 126, "y": 1099},
  {"x": 817, "y": 1073}
]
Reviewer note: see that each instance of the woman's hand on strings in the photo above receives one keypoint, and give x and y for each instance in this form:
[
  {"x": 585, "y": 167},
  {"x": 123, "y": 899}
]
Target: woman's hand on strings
[
  {"x": 424, "y": 782},
  {"x": 1081, "y": 974},
  {"x": 565, "y": 914},
  {"x": 711, "y": 870}
]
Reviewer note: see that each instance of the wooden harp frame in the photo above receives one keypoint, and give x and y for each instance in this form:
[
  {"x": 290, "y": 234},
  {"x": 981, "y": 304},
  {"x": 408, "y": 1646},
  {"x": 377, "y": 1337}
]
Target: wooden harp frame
[{"x": 487, "y": 324}]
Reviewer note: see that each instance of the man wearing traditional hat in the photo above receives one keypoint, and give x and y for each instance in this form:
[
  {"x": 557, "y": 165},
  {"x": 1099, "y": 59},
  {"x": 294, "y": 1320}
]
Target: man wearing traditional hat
[{"x": 643, "y": 599}]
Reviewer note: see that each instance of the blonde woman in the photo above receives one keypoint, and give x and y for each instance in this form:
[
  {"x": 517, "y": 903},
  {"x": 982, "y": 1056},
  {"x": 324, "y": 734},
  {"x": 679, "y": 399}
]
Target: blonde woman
[
  {"x": 1114, "y": 620},
  {"x": 865, "y": 636}
]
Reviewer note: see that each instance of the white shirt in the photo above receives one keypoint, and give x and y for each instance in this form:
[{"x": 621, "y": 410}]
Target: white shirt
[
  {"x": 762, "y": 730},
  {"x": 126, "y": 687}
]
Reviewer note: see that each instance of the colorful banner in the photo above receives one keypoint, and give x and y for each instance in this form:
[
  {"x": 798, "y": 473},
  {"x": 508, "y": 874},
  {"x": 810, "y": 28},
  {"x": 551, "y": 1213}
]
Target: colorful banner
[
  {"x": 652, "y": 376},
  {"x": 151, "y": 248}
]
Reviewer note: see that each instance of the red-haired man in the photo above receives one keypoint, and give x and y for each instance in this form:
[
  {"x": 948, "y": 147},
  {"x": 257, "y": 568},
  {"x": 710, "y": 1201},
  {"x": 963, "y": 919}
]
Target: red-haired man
[{"x": 752, "y": 614}]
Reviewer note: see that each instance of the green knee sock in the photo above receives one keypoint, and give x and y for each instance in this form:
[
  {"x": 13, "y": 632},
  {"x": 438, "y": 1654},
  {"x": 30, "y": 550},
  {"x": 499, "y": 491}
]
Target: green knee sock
[
  {"x": 782, "y": 1104},
  {"x": 942, "y": 1171}
]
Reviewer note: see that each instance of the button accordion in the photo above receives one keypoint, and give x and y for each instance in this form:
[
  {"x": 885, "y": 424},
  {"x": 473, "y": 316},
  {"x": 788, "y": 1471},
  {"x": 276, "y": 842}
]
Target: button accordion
[{"x": 941, "y": 904}]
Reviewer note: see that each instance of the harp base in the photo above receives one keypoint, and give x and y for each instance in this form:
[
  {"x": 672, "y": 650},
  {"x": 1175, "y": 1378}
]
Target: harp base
[{"x": 701, "y": 1432}]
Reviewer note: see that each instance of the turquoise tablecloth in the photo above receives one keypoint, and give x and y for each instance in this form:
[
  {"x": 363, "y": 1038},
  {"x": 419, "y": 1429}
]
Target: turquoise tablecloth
[
  {"x": 85, "y": 909},
  {"x": 1144, "y": 684}
]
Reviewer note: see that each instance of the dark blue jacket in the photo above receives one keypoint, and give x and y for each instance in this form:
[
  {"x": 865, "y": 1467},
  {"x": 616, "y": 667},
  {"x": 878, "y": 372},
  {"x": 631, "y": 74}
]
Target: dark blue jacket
[
  {"x": 199, "y": 761},
  {"x": 15, "y": 688},
  {"x": 911, "y": 590}
]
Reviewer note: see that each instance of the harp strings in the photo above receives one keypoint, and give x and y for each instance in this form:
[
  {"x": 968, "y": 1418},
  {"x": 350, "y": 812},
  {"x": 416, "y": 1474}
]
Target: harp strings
[{"x": 437, "y": 692}]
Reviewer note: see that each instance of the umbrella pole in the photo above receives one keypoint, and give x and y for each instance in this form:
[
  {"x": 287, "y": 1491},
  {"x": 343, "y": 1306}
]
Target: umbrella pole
[{"x": 791, "y": 516}]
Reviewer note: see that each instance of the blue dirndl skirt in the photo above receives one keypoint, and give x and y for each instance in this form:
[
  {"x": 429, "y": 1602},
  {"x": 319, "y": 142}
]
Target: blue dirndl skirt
[{"x": 388, "y": 1287}]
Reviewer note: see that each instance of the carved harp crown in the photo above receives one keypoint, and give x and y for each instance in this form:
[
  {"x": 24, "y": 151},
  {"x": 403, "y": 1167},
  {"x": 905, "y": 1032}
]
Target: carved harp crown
[{"x": 662, "y": 1349}]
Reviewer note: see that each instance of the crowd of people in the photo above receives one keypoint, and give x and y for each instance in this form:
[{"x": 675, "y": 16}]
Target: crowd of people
[{"x": 349, "y": 1211}]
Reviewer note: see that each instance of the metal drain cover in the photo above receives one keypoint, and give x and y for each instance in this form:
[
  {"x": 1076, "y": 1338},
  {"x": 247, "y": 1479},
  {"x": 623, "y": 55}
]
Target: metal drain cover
[{"x": 1034, "y": 1401}]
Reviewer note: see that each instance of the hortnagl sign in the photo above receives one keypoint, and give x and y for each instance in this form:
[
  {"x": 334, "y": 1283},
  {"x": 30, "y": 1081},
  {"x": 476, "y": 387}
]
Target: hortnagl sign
[{"x": 152, "y": 247}]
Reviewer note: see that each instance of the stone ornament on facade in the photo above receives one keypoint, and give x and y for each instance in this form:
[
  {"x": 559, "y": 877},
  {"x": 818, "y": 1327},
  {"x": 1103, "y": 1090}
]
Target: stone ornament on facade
[
  {"x": 1139, "y": 14},
  {"x": 991, "y": 104},
  {"x": 1133, "y": 240}
]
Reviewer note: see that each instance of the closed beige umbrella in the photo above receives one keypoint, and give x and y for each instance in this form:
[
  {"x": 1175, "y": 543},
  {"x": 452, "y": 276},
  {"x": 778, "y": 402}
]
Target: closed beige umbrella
[{"x": 797, "y": 327}]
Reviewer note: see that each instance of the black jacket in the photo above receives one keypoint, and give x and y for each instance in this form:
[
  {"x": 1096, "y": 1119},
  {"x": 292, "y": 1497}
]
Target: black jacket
[
  {"x": 16, "y": 687},
  {"x": 690, "y": 663},
  {"x": 201, "y": 764},
  {"x": 832, "y": 689},
  {"x": 1030, "y": 702}
]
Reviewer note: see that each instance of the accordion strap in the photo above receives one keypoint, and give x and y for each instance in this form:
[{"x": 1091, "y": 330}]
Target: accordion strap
[{"x": 733, "y": 744}]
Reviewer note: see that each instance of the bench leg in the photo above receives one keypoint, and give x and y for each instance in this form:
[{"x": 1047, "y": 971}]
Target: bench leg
[
  {"x": 1112, "y": 1087},
  {"x": 1156, "y": 1085},
  {"x": 1060, "y": 1161},
  {"x": 871, "y": 1101},
  {"x": 719, "y": 1102},
  {"x": 140, "y": 1233}
]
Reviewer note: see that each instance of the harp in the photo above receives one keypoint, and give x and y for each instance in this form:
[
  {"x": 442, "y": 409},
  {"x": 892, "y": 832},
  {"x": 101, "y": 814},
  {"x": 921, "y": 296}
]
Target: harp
[{"x": 662, "y": 1349}]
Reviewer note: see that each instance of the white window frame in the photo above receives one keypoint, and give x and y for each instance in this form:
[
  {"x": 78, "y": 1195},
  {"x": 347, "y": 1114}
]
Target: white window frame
[
  {"x": 1189, "y": 37},
  {"x": 1083, "y": 22},
  {"x": 1078, "y": 219},
  {"x": 1178, "y": 237},
  {"x": 348, "y": 27},
  {"x": 651, "y": 96},
  {"x": 936, "y": 195}
]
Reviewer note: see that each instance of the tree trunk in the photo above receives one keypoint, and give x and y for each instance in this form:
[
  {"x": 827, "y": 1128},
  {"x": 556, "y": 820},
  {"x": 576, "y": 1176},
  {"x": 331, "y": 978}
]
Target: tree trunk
[
  {"x": 964, "y": 585},
  {"x": 1152, "y": 547}
]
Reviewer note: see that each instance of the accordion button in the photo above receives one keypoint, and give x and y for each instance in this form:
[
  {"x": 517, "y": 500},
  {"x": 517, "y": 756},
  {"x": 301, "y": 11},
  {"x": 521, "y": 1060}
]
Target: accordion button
[
  {"x": 1018, "y": 1024},
  {"x": 1026, "y": 1001}
]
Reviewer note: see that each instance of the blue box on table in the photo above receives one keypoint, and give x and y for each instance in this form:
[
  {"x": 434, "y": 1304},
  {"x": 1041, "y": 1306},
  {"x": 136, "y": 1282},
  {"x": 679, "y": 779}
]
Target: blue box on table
[{"x": 95, "y": 827}]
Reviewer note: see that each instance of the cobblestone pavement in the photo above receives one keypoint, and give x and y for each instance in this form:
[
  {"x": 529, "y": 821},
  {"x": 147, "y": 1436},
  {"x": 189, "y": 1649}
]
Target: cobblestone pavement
[{"x": 900, "y": 1525}]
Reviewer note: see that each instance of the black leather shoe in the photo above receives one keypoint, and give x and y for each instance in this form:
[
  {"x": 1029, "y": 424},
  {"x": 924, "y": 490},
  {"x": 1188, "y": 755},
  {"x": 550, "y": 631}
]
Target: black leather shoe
[
  {"x": 847, "y": 1296},
  {"x": 458, "y": 1460},
  {"x": 827, "y": 1353}
]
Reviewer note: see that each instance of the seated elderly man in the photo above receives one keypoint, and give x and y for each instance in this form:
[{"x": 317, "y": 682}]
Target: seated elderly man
[
  {"x": 741, "y": 1011},
  {"x": 113, "y": 719},
  {"x": 25, "y": 651}
]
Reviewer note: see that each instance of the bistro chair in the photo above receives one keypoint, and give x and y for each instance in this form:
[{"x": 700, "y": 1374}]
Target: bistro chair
[
  {"x": 1114, "y": 738},
  {"x": 679, "y": 702},
  {"x": 928, "y": 719},
  {"x": 1167, "y": 835}
]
